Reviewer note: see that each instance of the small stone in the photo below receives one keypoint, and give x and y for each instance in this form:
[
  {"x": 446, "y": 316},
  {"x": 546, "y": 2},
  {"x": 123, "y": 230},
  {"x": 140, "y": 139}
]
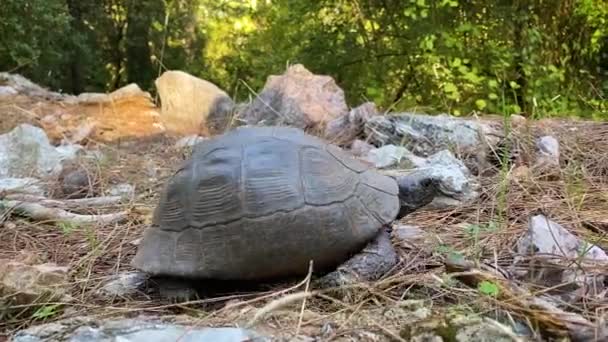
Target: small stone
[
  {"x": 76, "y": 183},
  {"x": 189, "y": 141},
  {"x": 548, "y": 153},
  {"x": 123, "y": 190},
  {"x": 408, "y": 233},
  {"x": 345, "y": 128},
  {"x": 456, "y": 183},
  {"x": 518, "y": 120},
  {"x": 360, "y": 148},
  {"x": 123, "y": 285},
  {"x": 6, "y": 91},
  {"x": 391, "y": 155}
]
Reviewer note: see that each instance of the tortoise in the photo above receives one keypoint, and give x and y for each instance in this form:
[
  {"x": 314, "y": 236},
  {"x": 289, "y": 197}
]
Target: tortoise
[{"x": 260, "y": 203}]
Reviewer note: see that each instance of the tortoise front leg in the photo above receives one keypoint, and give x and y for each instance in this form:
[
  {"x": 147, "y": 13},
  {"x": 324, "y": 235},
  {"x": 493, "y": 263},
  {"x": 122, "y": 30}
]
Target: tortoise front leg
[{"x": 371, "y": 263}]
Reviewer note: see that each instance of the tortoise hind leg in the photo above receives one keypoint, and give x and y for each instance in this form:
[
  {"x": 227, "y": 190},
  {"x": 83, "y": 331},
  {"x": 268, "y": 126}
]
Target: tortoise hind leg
[
  {"x": 175, "y": 290},
  {"x": 371, "y": 263}
]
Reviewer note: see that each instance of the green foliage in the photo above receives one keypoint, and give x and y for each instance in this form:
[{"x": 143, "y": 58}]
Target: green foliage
[
  {"x": 488, "y": 288},
  {"x": 33, "y": 47},
  {"x": 67, "y": 227},
  {"x": 46, "y": 311},
  {"x": 535, "y": 57}
]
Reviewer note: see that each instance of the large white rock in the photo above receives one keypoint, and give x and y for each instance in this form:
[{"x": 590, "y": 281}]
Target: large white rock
[
  {"x": 26, "y": 152},
  {"x": 190, "y": 105}
]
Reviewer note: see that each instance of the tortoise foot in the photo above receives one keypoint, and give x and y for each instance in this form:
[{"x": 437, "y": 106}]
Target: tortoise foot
[
  {"x": 371, "y": 263},
  {"x": 175, "y": 290}
]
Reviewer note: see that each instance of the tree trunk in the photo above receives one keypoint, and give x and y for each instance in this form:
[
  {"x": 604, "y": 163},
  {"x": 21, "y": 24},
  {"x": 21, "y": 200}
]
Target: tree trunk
[{"x": 76, "y": 72}]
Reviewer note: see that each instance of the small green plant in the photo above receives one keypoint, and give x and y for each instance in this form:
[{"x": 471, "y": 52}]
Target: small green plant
[
  {"x": 449, "y": 252},
  {"x": 91, "y": 237},
  {"x": 67, "y": 227},
  {"x": 488, "y": 288},
  {"x": 475, "y": 230},
  {"x": 46, "y": 311}
]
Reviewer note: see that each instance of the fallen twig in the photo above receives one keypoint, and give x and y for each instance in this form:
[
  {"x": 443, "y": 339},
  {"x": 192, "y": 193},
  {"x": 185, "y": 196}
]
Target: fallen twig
[
  {"x": 78, "y": 203},
  {"x": 39, "y": 212},
  {"x": 553, "y": 319}
]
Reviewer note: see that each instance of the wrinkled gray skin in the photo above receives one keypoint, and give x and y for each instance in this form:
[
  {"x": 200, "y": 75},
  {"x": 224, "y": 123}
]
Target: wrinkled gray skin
[{"x": 256, "y": 204}]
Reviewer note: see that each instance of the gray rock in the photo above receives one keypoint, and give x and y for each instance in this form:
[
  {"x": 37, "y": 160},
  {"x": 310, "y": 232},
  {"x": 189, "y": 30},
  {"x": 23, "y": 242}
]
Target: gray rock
[
  {"x": 189, "y": 141},
  {"x": 548, "y": 146},
  {"x": 548, "y": 153},
  {"x": 76, "y": 183},
  {"x": 554, "y": 248},
  {"x": 123, "y": 190},
  {"x": 360, "y": 148},
  {"x": 29, "y": 186},
  {"x": 391, "y": 155},
  {"x": 123, "y": 285},
  {"x": 545, "y": 236},
  {"x": 345, "y": 128},
  {"x": 456, "y": 183},
  {"x": 141, "y": 329},
  {"x": 427, "y": 134},
  {"x": 6, "y": 91},
  {"x": 26, "y": 152},
  {"x": 26, "y": 87}
]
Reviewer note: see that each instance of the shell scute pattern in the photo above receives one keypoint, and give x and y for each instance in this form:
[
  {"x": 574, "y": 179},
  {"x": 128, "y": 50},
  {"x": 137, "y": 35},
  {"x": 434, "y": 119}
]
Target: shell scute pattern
[{"x": 262, "y": 202}]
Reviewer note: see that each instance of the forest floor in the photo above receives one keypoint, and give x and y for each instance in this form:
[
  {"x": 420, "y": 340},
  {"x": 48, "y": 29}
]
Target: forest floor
[{"x": 484, "y": 232}]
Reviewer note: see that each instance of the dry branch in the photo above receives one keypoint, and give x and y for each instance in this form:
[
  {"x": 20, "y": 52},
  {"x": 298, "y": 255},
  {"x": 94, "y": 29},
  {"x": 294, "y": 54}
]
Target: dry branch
[
  {"x": 39, "y": 212},
  {"x": 552, "y": 319},
  {"x": 79, "y": 203}
]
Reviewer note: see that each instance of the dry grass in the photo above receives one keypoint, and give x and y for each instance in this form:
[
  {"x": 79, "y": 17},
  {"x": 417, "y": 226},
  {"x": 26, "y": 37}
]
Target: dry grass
[{"x": 577, "y": 197}]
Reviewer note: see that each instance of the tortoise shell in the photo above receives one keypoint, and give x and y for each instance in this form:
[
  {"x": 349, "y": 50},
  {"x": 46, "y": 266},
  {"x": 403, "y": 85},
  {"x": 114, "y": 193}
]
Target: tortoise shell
[{"x": 261, "y": 202}]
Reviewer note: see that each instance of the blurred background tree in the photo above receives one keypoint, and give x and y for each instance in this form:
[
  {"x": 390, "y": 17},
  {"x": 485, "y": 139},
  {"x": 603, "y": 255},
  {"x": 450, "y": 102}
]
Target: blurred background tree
[{"x": 542, "y": 58}]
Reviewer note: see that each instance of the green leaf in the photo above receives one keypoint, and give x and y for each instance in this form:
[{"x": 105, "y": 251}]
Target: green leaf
[
  {"x": 514, "y": 85},
  {"x": 46, "y": 311},
  {"x": 493, "y": 84},
  {"x": 457, "y": 62},
  {"x": 492, "y": 96},
  {"x": 450, "y": 88},
  {"x": 481, "y": 104},
  {"x": 488, "y": 288}
]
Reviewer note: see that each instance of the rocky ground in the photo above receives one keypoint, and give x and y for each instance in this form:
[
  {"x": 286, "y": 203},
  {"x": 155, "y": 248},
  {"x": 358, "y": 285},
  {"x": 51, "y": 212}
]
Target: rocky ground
[{"x": 512, "y": 249}]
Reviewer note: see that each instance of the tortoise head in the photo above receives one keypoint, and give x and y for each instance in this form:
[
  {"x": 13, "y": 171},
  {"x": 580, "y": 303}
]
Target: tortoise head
[{"x": 415, "y": 191}]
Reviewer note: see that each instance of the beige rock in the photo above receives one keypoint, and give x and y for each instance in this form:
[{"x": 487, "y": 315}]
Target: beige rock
[
  {"x": 26, "y": 284},
  {"x": 297, "y": 98},
  {"x": 130, "y": 90},
  {"x": 190, "y": 105},
  {"x": 345, "y": 128}
]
